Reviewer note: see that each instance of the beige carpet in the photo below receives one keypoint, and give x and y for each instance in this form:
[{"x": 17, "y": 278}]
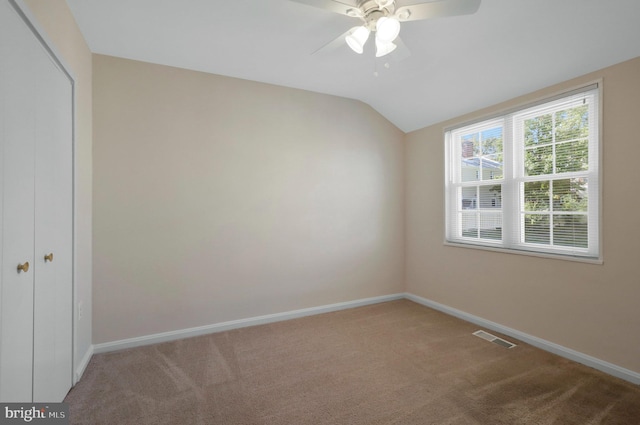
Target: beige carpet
[{"x": 391, "y": 363}]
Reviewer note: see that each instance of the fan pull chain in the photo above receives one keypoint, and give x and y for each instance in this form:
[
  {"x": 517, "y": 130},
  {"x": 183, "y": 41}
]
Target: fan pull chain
[{"x": 387, "y": 65}]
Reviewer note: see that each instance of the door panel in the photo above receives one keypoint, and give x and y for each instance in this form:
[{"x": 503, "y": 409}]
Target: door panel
[
  {"x": 52, "y": 365},
  {"x": 18, "y": 122}
]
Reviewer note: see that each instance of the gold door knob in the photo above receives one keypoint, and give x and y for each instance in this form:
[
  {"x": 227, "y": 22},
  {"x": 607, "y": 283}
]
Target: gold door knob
[
  {"x": 23, "y": 267},
  {"x": 48, "y": 257}
]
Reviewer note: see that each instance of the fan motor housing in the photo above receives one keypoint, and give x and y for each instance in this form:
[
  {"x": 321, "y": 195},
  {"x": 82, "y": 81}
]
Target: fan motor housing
[{"x": 372, "y": 11}]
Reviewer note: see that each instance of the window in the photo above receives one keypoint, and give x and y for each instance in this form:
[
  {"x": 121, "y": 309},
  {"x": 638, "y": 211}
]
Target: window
[{"x": 528, "y": 180}]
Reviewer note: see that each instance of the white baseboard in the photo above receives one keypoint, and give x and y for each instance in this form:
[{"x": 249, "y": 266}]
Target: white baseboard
[
  {"x": 82, "y": 366},
  {"x": 235, "y": 324},
  {"x": 606, "y": 367},
  {"x": 601, "y": 365}
]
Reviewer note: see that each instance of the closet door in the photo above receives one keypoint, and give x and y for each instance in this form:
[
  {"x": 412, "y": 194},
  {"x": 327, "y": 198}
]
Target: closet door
[
  {"x": 36, "y": 217},
  {"x": 17, "y": 129},
  {"x": 53, "y": 294}
]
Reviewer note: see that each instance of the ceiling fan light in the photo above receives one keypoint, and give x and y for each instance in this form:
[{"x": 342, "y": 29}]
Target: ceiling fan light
[
  {"x": 387, "y": 29},
  {"x": 357, "y": 38},
  {"x": 383, "y": 49}
]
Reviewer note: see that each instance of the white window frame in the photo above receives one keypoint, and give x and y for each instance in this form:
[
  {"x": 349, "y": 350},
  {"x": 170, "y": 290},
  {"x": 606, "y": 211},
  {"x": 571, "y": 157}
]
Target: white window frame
[{"x": 513, "y": 177}]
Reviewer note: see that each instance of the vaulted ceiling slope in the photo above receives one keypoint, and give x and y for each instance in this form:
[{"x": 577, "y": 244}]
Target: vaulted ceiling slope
[{"x": 457, "y": 64}]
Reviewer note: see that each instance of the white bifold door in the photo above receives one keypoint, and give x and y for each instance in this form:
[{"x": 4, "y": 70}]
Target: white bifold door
[{"x": 36, "y": 212}]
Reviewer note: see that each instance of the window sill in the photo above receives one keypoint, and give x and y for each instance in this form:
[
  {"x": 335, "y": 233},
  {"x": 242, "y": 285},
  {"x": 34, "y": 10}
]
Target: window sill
[{"x": 588, "y": 260}]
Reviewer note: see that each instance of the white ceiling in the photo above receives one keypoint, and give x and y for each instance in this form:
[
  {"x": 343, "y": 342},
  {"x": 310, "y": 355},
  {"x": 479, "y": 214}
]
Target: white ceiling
[{"x": 458, "y": 64}]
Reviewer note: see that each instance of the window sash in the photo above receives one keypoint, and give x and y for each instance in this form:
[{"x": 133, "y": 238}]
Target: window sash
[{"x": 565, "y": 227}]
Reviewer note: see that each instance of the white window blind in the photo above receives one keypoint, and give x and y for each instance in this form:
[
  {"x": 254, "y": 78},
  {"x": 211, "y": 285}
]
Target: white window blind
[{"x": 528, "y": 180}]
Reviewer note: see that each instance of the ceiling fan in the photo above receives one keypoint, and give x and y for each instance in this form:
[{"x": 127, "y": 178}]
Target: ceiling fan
[{"x": 383, "y": 17}]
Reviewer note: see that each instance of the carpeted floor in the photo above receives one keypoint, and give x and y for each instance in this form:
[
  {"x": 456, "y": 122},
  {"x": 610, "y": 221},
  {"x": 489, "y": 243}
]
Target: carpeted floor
[{"x": 391, "y": 363}]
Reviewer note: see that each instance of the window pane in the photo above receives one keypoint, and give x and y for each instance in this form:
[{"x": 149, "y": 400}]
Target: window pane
[
  {"x": 538, "y": 161},
  {"x": 570, "y": 230},
  {"x": 536, "y": 196},
  {"x": 536, "y": 229},
  {"x": 469, "y": 225},
  {"x": 492, "y": 141},
  {"x": 470, "y": 145},
  {"x": 572, "y": 156},
  {"x": 491, "y": 226},
  {"x": 470, "y": 169},
  {"x": 492, "y": 167},
  {"x": 572, "y": 124},
  {"x": 570, "y": 195},
  {"x": 469, "y": 198},
  {"x": 490, "y": 196},
  {"x": 538, "y": 130}
]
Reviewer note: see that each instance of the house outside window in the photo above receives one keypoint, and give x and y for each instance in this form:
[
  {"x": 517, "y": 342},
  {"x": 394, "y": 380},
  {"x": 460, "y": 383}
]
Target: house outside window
[{"x": 528, "y": 180}]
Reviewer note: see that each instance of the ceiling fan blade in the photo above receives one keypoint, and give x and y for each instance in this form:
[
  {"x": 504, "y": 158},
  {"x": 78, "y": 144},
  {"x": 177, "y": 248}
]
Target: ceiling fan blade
[
  {"x": 337, "y": 42},
  {"x": 401, "y": 52},
  {"x": 333, "y": 6},
  {"x": 437, "y": 9}
]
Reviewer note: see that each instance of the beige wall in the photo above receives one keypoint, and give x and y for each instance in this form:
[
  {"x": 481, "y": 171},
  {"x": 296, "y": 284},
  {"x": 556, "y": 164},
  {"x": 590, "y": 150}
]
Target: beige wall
[
  {"x": 218, "y": 199},
  {"x": 589, "y": 308},
  {"x": 55, "y": 18}
]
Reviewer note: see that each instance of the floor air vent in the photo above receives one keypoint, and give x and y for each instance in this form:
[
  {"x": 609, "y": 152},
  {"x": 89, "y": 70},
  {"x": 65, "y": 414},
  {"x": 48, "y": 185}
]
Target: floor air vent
[{"x": 494, "y": 339}]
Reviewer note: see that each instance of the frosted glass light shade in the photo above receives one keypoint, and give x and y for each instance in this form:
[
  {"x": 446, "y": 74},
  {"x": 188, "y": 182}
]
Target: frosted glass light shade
[
  {"x": 387, "y": 29},
  {"x": 357, "y": 38}
]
